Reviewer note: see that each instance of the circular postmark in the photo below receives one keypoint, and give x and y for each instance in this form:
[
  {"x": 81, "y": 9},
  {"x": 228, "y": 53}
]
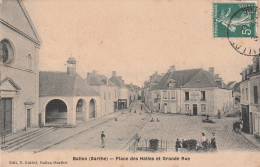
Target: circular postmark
[{"x": 242, "y": 31}]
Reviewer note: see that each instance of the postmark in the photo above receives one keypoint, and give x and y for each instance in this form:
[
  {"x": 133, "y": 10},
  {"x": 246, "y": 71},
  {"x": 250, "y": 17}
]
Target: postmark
[
  {"x": 222, "y": 22},
  {"x": 249, "y": 45}
]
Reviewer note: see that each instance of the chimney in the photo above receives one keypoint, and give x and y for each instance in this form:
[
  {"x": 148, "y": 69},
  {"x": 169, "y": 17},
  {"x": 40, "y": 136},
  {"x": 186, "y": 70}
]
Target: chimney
[
  {"x": 94, "y": 71},
  {"x": 211, "y": 70},
  {"x": 113, "y": 73},
  {"x": 172, "y": 68},
  {"x": 150, "y": 78}
]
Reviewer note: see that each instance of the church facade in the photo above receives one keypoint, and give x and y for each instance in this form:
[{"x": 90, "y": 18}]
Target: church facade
[{"x": 19, "y": 76}]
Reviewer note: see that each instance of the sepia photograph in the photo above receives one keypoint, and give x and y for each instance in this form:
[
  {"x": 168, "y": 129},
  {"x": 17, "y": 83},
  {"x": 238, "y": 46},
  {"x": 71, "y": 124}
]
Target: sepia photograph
[{"x": 129, "y": 83}]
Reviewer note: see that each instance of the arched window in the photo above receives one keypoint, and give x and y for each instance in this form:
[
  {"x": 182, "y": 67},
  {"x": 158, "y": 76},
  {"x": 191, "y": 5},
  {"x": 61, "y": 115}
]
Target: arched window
[
  {"x": 6, "y": 52},
  {"x": 29, "y": 59}
]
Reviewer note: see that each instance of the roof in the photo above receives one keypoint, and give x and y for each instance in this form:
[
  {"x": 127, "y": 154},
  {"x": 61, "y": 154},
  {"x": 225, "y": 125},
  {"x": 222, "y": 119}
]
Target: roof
[
  {"x": 62, "y": 84},
  {"x": 71, "y": 59},
  {"x": 155, "y": 78},
  {"x": 117, "y": 81},
  {"x": 192, "y": 78},
  {"x": 23, "y": 24},
  {"x": 98, "y": 80}
]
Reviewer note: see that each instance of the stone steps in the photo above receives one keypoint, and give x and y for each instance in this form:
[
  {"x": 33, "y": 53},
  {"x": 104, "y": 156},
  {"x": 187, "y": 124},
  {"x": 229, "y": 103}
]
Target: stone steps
[{"x": 15, "y": 143}]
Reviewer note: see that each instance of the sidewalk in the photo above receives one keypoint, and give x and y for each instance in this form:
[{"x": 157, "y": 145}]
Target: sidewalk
[
  {"x": 61, "y": 134},
  {"x": 251, "y": 139}
]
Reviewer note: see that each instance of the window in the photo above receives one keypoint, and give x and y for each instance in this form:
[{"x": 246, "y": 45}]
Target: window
[
  {"x": 172, "y": 94},
  {"x": 105, "y": 96},
  {"x": 187, "y": 96},
  {"x": 246, "y": 94},
  {"x": 243, "y": 94},
  {"x": 29, "y": 59},
  {"x": 203, "y": 107},
  {"x": 164, "y": 94},
  {"x": 255, "y": 95},
  {"x": 6, "y": 52},
  {"x": 203, "y": 95}
]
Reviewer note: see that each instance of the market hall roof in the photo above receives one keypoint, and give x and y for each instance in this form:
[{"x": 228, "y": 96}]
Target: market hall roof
[
  {"x": 62, "y": 84},
  {"x": 192, "y": 78}
]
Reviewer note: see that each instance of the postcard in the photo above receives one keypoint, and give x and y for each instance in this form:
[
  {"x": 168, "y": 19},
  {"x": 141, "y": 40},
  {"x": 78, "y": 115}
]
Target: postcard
[{"x": 128, "y": 83}]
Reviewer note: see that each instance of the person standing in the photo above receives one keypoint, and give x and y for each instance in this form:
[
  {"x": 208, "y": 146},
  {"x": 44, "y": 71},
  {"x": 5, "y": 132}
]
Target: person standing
[
  {"x": 219, "y": 114},
  {"x": 204, "y": 141},
  {"x": 102, "y": 139},
  {"x": 177, "y": 145},
  {"x": 213, "y": 142},
  {"x": 141, "y": 107}
]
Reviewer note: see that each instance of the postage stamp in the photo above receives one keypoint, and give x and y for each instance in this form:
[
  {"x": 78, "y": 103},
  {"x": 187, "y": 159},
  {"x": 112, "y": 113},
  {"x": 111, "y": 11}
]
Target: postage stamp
[{"x": 234, "y": 19}]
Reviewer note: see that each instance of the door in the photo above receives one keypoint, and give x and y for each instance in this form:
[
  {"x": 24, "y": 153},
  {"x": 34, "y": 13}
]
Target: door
[
  {"x": 28, "y": 118},
  {"x": 115, "y": 106},
  {"x": 40, "y": 120},
  {"x": 195, "y": 109},
  {"x": 165, "y": 108},
  {"x": 245, "y": 118},
  {"x": 6, "y": 115}
]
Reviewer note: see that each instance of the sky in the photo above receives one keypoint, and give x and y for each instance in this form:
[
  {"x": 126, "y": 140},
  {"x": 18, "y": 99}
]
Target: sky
[{"x": 134, "y": 38}]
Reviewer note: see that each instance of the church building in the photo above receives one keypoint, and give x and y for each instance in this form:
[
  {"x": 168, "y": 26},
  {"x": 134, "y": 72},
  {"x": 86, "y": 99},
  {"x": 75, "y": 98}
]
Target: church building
[{"x": 19, "y": 76}]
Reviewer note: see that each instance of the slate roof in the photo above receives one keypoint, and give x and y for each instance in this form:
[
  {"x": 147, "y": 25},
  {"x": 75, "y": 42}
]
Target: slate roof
[
  {"x": 62, "y": 84},
  {"x": 117, "y": 82},
  {"x": 235, "y": 86},
  {"x": 193, "y": 78},
  {"x": 98, "y": 80}
]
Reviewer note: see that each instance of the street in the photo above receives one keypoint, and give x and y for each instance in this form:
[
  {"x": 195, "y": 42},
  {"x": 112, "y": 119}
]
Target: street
[
  {"x": 169, "y": 127},
  {"x": 117, "y": 133}
]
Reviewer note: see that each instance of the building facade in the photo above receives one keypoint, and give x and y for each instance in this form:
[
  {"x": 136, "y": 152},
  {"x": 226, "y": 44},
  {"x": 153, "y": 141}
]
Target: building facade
[
  {"x": 108, "y": 92},
  {"x": 66, "y": 99},
  {"x": 147, "y": 89},
  {"x": 250, "y": 108},
  {"x": 123, "y": 94},
  {"x": 194, "y": 91},
  {"x": 19, "y": 75}
]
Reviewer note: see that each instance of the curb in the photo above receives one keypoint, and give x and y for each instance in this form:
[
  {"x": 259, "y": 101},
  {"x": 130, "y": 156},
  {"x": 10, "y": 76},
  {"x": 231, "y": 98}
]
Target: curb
[
  {"x": 70, "y": 136},
  {"x": 251, "y": 141}
]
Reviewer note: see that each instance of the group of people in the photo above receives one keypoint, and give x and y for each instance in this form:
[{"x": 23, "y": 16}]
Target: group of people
[
  {"x": 206, "y": 145},
  {"x": 157, "y": 120}
]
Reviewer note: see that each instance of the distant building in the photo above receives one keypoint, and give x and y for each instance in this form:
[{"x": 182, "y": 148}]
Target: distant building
[
  {"x": 132, "y": 92},
  {"x": 250, "y": 102},
  {"x": 108, "y": 91},
  {"x": 235, "y": 87},
  {"x": 148, "y": 85},
  {"x": 123, "y": 98},
  {"x": 194, "y": 91},
  {"x": 19, "y": 75},
  {"x": 66, "y": 98}
]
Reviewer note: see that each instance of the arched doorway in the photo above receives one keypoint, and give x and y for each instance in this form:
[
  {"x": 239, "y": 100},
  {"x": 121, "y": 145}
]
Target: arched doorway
[
  {"x": 92, "y": 109},
  {"x": 80, "y": 110},
  {"x": 56, "y": 112}
]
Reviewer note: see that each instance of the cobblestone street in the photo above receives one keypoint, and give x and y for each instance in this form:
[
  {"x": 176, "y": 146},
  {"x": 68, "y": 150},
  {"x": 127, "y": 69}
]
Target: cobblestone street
[
  {"x": 118, "y": 133},
  {"x": 172, "y": 127}
]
